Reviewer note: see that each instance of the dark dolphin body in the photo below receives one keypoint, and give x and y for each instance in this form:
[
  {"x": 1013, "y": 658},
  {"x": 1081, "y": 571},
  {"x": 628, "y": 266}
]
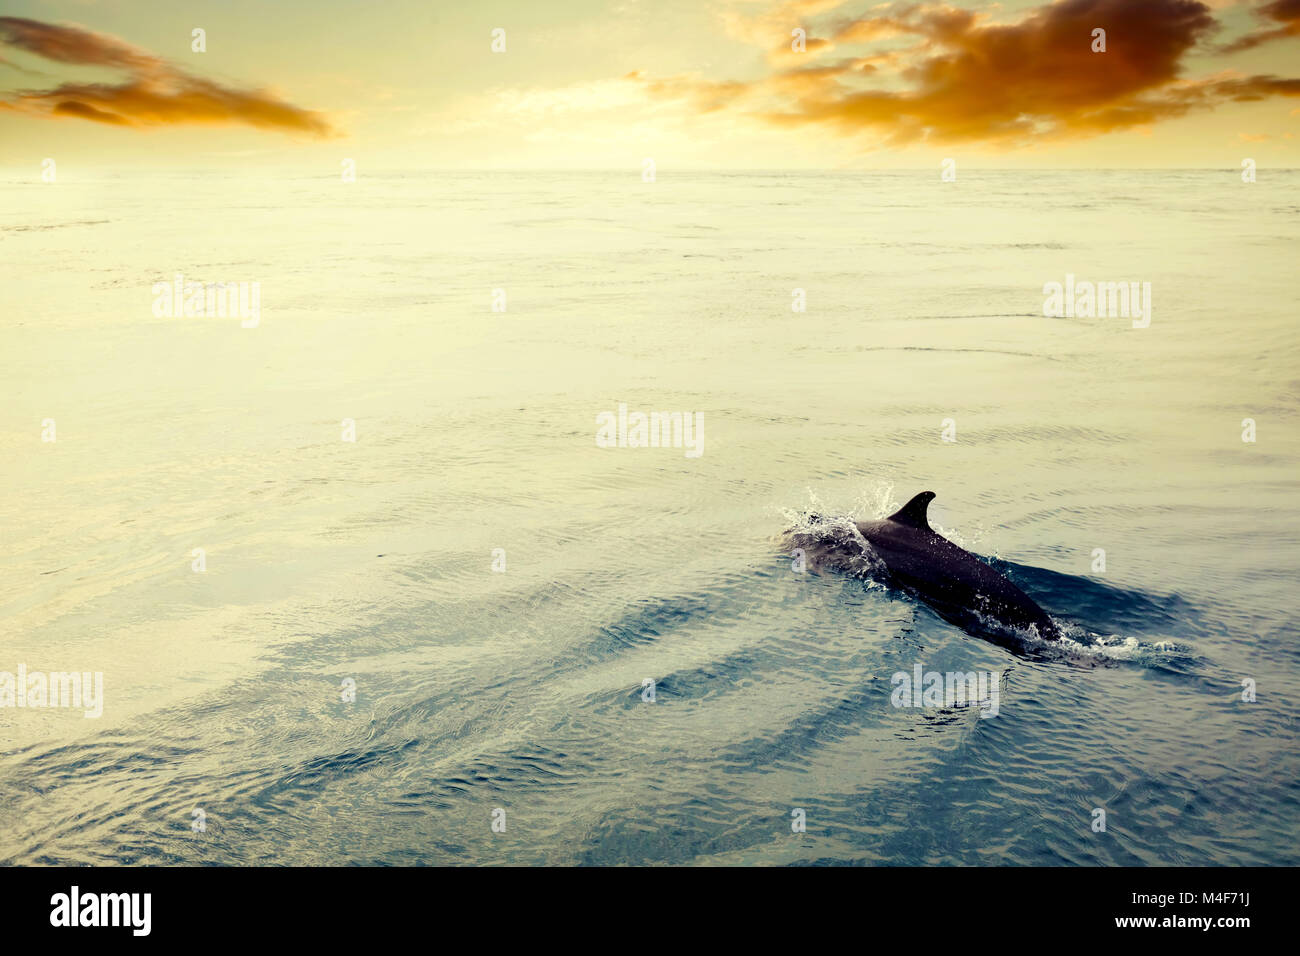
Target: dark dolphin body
[{"x": 960, "y": 586}]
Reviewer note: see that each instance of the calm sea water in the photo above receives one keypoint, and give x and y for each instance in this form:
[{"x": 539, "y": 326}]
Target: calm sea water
[{"x": 521, "y": 691}]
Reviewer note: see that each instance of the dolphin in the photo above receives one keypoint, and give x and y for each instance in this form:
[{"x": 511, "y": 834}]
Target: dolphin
[{"x": 962, "y": 588}]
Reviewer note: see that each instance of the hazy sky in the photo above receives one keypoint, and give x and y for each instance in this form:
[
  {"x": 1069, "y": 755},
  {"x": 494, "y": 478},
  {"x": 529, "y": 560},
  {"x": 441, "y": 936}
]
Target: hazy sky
[{"x": 690, "y": 83}]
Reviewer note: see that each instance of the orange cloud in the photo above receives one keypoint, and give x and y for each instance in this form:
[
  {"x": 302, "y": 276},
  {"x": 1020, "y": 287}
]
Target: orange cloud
[
  {"x": 964, "y": 79},
  {"x": 155, "y": 93},
  {"x": 75, "y": 108},
  {"x": 1285, "y": 12}
]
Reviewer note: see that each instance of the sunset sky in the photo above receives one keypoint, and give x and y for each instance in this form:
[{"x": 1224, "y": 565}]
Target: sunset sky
[{"x": 590, "y": 84}]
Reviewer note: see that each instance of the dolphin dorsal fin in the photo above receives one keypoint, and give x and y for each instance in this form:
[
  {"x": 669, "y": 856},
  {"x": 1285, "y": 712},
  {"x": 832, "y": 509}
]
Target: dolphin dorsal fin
[{"x": 912, "y": 514}]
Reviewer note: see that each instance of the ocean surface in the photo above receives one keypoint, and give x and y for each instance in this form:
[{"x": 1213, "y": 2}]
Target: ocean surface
[{"x": 500, "y": 715}]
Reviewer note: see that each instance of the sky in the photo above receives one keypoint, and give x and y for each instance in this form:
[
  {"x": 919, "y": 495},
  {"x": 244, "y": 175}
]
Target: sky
[{"x": 692, "y": 84}]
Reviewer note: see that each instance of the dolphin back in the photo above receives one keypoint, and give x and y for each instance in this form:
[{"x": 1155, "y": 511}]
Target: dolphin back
[{"x": 947, "y": 575}]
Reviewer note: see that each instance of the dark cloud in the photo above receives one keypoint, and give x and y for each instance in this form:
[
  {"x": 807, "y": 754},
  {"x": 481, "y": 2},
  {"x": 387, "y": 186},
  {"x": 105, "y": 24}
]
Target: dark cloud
[
  {"x": 75, "y": 108},
  {"x": 1285, "y": 12},
  {"x": 155, "y": 92}
]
